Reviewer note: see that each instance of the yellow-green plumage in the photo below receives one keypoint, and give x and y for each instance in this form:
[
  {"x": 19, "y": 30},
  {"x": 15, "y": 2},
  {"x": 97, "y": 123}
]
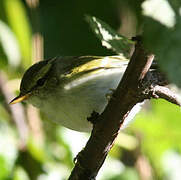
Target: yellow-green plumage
[{"x": 69, "y": 89}]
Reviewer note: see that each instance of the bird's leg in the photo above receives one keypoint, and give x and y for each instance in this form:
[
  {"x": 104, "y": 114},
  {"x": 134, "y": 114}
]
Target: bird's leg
[
  {"x": 110, "y": 94},
  {"x": 78, "y": 156},
  {"x": 94, "y": 115}
]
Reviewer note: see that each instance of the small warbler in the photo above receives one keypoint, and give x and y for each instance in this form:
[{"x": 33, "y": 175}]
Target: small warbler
[{"x": 69, "y": 89}]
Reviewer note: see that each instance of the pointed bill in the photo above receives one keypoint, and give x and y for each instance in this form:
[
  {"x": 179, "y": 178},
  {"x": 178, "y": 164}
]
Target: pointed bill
[{"x": 19, "y": 98}]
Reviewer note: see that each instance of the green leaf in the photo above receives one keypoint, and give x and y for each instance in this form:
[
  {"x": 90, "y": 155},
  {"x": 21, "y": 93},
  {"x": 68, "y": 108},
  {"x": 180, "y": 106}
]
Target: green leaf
[
  {"x": 176, "y": 5},
  {"x": 166, "y": 44},
  {"x": 18, "y": 21},
  {"x": 9, "y": 44},
  {"x": 109, "y": 38}
]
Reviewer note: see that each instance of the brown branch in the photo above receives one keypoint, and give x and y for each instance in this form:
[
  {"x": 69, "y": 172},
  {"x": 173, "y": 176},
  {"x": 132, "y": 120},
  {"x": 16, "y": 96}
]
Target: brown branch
[
  {"x": 167, "y": 94},
  {"x": 107, "y": 127},
  {"x": 136, "y": 85},
  {"x": 153, "y": 86}
]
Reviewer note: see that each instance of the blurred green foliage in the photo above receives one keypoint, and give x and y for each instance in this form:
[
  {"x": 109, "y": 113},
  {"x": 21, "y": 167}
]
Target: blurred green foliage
[
  {"x": 14, "y": 16},
  {"x": 166, "y": 43},
  {"x": 34, "y": 149}
]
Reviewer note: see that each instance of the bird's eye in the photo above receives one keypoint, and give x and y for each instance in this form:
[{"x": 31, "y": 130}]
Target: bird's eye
[{"x": 41, "y": 82}]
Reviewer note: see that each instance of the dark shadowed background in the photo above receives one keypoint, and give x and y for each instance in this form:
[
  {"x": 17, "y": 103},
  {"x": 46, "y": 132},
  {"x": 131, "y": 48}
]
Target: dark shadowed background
[{"x": 33, "y": 147}]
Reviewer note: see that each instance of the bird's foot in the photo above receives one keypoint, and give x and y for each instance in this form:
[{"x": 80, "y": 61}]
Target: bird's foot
[{"x": 93, "y": 118}]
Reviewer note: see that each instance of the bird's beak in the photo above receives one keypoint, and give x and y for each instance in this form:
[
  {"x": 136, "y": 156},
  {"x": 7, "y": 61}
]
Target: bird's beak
[{"x": 20, "y": 98}]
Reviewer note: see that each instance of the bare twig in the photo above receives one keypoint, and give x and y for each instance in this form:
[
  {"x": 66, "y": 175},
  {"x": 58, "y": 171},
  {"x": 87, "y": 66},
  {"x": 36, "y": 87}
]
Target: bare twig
[
  {"x": 167, "y": 94},
  {"x": 153, "y": 86}
]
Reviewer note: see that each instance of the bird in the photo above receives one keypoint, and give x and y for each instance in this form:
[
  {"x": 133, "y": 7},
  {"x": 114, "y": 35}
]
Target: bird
[{"x": 69, "y": 89}]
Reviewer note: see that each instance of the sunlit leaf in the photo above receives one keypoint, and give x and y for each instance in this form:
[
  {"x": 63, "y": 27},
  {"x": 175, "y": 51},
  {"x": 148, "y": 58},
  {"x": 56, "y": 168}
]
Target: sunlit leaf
[
  {"x": 18, "y": 21},
  {"x": 109, "y": 38},
  {"x": 10, "y": 45},
  {"x": 160, "y": 10}
]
